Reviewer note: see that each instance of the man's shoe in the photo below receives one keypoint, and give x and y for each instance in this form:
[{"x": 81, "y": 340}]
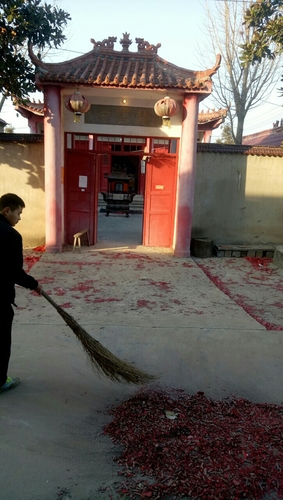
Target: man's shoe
[{"x": 10, "y": 384}]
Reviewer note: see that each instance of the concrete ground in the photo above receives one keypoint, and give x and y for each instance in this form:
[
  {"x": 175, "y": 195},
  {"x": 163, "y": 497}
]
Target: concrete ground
[{"x": 197, "y": 324}]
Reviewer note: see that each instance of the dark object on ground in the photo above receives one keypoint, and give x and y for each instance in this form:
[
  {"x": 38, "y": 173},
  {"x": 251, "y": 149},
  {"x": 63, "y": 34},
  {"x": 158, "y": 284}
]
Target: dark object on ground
[{"x": 201, "y": 247}]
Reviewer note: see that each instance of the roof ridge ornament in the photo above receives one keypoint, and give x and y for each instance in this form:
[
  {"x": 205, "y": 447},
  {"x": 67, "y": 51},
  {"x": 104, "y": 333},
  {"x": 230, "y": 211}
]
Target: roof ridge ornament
[
  {"x": 126, "y": 42},
  {"x": 146, "y": 46},
  {"x": 107, "y": 43}
]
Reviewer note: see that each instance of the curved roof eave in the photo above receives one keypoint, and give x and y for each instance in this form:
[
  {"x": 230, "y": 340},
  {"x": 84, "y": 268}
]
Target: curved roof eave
[{"x": 123, "y": 69}]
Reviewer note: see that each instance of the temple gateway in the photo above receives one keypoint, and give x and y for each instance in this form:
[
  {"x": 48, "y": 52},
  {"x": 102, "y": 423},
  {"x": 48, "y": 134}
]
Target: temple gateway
[{"x": 111, "y": 110}]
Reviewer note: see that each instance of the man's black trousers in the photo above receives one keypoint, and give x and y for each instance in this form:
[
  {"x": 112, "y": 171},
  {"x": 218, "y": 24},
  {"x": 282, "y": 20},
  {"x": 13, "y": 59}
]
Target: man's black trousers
[{"x": 6, "y": 320}]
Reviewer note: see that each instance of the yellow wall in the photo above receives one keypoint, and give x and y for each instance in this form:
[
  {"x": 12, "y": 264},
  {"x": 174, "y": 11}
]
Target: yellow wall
[
  {"x": 22, "y": 172},
  {"x": 238, "y": 198}
]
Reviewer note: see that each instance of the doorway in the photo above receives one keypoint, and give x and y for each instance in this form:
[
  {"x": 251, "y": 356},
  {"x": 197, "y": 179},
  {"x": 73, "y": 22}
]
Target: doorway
[
  {"x": 130, "y": 166},
  {"x": 121, "y": 230},
  {"x": 88, "y": 161}
]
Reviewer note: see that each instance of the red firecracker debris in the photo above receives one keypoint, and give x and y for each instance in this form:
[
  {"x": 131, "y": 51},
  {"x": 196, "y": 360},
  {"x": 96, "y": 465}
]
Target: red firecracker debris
[
  {"x": 161, "y": 285},
  {"x": 261, "y": 273},
  {"x": 39, "y": 249},
  {"x": 260, "y": 263},
  {"x": 29, "y": 261},
  {"x": 66, "y": 305},
  {"x": 175, "y": 445},
  {"x": 146, "y": 304},
  {"x": 86, "y": 286}
]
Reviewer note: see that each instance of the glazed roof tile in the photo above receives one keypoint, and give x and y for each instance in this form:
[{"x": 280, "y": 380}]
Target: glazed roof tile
[
  {"x": 29, "y": 108},
  {"x": 212, "y": 115},
  {"x": 105, "y": 67}
]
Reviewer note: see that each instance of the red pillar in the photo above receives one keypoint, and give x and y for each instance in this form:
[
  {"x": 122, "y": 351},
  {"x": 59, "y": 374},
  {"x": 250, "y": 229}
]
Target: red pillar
[
  {"x": 186, "y": 177},
  {"x": 207, "y": 135},
  {"x": 52, "y": 156}
]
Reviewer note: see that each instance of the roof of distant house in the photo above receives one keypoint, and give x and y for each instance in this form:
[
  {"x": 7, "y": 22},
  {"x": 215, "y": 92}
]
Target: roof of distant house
[{"x": 270, "y": 137}]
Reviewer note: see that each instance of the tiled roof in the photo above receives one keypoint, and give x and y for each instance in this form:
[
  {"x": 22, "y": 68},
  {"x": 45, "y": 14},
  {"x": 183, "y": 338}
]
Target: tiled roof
[
  {"x": 270, "y": 137},
  {"x": 105, "y": 67},
  {"x": 21, "y": 137},
  {"x": 36, "y": 108},
  {"x": 239, "y": 149},
  {"x": 212, "y": 115}
]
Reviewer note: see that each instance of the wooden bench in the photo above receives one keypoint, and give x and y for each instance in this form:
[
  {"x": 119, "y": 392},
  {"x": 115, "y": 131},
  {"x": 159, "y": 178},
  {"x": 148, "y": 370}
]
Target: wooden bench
[{"x": 77, "y": 239}]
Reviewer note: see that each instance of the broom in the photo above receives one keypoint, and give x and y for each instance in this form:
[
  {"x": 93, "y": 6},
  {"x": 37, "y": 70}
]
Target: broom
[{"x": 102, "y": 360}]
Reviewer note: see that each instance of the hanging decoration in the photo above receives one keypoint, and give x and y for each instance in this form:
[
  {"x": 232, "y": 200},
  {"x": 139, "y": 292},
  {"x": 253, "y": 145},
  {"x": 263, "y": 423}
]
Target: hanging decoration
[
  {"x": 166, "y": 108},
  {"x": 77, "y": 104}
]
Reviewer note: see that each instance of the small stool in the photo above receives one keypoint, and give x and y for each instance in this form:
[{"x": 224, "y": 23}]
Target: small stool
[{"x": 77, "y": 239}]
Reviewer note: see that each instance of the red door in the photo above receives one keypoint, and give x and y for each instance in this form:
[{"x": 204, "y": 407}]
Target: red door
[
  {"x": 159, "y": 207},
  {"x": 81, "y": 195},
  {"x": 104, "y": 168}
]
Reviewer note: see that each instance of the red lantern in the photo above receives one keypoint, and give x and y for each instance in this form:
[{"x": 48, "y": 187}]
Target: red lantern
[
  {"x": 166, "y": 108},
  {"x": 77, "y": 104}
]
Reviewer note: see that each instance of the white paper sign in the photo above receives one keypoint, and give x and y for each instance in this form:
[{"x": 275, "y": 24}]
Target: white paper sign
[{"x": 82, "y": 181}]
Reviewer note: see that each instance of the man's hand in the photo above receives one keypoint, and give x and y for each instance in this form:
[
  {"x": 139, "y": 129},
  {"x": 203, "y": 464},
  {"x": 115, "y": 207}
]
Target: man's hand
[{"x": 38, "y": 289}]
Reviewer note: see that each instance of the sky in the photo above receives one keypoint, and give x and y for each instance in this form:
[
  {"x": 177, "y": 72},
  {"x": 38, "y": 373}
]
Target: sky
[{"x": 178, "y": 25}]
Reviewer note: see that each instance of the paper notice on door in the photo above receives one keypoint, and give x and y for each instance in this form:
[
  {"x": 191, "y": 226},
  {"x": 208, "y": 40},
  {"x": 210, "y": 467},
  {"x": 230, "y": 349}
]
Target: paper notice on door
[{"x": 82, "y": 181}]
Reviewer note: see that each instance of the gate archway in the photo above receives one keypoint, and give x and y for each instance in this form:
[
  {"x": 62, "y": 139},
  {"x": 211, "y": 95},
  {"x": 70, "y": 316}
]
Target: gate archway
[{"x": 89, "y": 158}]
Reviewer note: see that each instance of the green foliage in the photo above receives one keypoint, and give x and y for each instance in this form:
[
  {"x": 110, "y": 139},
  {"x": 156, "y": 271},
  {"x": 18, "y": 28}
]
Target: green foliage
[
  {"x": 24, "y": 22},
  {"x": 266, "y": 18},
  {"x": 227, "y": 136}
]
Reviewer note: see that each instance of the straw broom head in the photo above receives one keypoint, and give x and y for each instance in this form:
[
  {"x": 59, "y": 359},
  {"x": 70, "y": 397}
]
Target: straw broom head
[{"x": 102, "y": 360}]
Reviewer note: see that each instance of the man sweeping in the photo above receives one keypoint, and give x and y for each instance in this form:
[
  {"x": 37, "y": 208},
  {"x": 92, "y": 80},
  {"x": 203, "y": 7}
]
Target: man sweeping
[{"x": 11, "y": 273}]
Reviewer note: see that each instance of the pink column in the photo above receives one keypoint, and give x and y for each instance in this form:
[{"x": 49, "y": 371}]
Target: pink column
[
  {"x": 186, "y": 177},
  {"x": 52, "y": 156},
  {"x": 207, "y": 135}
]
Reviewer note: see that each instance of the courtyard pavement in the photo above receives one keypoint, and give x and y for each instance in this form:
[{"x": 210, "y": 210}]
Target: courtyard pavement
[{"x": 212, "y": 325}]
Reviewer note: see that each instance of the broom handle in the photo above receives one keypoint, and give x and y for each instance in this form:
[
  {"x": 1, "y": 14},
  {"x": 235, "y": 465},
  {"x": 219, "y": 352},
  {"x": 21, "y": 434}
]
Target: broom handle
[{"x": 46, "y": 296}]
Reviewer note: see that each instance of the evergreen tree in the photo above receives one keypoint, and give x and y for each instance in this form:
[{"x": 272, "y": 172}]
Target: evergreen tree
[
  {"x": 226, "y": 136},
  {"x": 24, "y": 22},
  {"x": 266, "y": 20}
]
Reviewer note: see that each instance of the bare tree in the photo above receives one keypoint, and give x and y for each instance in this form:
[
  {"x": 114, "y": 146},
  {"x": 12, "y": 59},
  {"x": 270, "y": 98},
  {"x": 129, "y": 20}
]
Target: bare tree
[{"x": 236, "y": 87}]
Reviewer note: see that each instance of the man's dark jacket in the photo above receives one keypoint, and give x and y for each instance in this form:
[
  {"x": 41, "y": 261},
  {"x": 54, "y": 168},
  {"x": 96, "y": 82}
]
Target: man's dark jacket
[{"x": 11, "y": 263}]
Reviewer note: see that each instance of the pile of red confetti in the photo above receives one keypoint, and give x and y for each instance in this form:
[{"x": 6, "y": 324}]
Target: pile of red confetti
[
  {"x": 29, "y": 262},
  {"x": 39, "y": 249},
  {"x": 260, "y": 262},
  {"x": 176, "y": 445}
]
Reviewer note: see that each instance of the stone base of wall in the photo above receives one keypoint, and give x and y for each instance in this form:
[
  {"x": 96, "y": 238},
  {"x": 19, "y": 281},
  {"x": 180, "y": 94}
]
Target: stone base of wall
[
  {"x": 278, "y": 257},
  {"x": 243, "y": 251}
]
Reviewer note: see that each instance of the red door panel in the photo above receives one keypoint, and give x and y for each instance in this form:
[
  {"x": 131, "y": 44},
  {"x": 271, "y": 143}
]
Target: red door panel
[
  {"x": 159, "y": 208},
  {"x": 80, "y": 194},
  {"x": 104, "y": 168}
]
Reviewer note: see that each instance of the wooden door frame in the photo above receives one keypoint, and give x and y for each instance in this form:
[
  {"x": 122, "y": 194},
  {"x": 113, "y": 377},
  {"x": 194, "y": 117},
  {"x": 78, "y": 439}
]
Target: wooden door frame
[{"x": 94, "y": 153}]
